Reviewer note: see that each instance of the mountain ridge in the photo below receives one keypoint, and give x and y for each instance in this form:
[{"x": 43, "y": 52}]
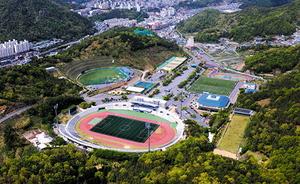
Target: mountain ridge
[
  {"x": 36, "y": 20},
  {"x": 243, "y": 25}
]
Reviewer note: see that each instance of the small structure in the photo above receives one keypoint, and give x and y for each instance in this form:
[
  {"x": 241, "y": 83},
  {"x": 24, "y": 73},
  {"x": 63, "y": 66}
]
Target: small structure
[
  {"x": 213, "y": 102},
  {"x": 242, "y": 111},
  {"x": 135, "y": 89},
  {"x": 250, "y": 87},
  {"x": 38, "y": 138},
  {"x": 50, "y": 69}
]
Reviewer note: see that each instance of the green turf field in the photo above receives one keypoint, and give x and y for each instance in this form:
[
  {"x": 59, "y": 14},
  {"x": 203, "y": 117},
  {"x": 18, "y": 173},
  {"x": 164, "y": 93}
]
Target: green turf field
[
  {"x": 233, "y": 137},
  {"x": 213, "y": 86},
  {"x": 124, "y": 128},
  {"x": 100, "y": 76},
  {"x": 141, "y": 115}
]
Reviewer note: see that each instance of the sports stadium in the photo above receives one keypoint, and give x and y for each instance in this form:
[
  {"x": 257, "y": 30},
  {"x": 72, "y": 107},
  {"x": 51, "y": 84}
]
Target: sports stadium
[
  {"x": 138, "y": 126},
  {"x": 104, "y": 75}
]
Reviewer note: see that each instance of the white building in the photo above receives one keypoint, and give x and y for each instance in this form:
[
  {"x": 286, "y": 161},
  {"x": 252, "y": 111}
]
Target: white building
[
  {"x": 171, "y": 11},
  {"x": 190, "y": 43},
  {"x": 148, "y": 102},
  {"x": 13, "y": 47}
]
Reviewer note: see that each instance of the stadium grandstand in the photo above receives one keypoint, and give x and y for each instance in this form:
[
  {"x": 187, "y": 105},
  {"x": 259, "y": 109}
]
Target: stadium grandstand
[
  {"x": 148, "y": 102},
  {"x": 213, "y": 102},
  {"x": 125, "y": 71}
]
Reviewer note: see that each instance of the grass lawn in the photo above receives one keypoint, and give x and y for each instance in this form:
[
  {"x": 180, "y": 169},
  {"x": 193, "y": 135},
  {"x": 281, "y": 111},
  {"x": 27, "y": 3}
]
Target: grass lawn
[
  {"x": 234, "y": 135},
  {"x": 99, "y": 76},
  {"x": 212, "y": 85}
]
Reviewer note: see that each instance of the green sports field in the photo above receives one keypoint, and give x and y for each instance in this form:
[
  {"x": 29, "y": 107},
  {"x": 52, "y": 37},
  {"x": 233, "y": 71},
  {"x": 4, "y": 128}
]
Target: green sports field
[
  {"x": 124, "y": 128},
  {"x": 233, "y": 137},
  {"x": 100, "y": 76},
  {"x": 211, "y": 85}
]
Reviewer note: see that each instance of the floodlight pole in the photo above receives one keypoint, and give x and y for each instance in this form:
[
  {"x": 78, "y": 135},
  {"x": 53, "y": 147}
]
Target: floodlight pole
[
  {"x": 55, "y": 108},
  {"x": 180, "y": 98},
  {"x": 148, "y": 125},
  {"x": 180, "y": 104},
  {"x": 148, "y": 140}
]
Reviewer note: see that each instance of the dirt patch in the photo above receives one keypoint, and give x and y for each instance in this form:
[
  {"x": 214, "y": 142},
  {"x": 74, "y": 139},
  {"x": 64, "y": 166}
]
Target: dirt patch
[
  {"x": 240, "y": 66},
  {"x": 225, "y": 153},
  {"x": 264, "y": 102}
]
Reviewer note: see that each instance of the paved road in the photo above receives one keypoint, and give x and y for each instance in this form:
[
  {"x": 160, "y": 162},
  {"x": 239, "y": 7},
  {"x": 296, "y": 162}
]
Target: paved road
[{"x": 14, "y": 113}]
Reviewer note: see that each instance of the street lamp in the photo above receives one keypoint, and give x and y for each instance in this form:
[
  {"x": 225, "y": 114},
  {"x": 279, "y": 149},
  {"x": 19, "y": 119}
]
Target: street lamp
[
  {"x": 180, "y": 98},
  {"x": 148, "y": 126},
  {"x": 55, "y": 108}
]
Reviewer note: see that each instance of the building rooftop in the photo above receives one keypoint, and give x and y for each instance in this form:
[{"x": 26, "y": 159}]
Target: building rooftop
[{"x": 213, "y": 100}]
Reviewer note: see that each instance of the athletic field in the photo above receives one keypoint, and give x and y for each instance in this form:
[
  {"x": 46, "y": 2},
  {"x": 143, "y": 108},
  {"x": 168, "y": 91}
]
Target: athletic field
[
  {"x": 233, "y": 137},
  {"x": 101, "y": 76},
  {"x": 213, "y": 86},
  {"x": 125, "y": 128}
]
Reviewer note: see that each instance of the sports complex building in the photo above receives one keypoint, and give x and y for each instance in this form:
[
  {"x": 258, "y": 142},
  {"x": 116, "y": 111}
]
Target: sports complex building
[
  {"x": 137, "y": 126},
  {"x": 213, "y": 102}
]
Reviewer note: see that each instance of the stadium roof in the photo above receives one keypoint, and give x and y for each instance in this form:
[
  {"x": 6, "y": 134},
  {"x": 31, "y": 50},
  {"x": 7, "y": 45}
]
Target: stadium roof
[{"x": 213, "y": 100}]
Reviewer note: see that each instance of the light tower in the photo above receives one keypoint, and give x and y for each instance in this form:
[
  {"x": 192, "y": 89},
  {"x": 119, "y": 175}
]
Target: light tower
[
  {"x": 55, "y": 108},
  {"x": 148, "y": 126}
]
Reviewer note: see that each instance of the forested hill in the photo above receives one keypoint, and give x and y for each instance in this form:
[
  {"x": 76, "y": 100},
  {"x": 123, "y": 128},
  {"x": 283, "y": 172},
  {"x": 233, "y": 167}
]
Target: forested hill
[
  {"x": 274, "y": 130},
  {"x": 264, "y": 3},
  {"x": 280, "y": 59},
  {"x": 125, "y": 47},
  {"x": 243, "y": 25},
  {"x": 39, "y": 20}
]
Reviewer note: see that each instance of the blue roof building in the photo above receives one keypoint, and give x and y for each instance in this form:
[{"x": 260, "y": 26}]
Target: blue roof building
[
  {"x": 213, "y": 102},
  {"x": 251, "y": 90}
]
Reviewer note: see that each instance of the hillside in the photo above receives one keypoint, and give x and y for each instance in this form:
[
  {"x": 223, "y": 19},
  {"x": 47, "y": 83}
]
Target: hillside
[
  {"x": 280, "y": 59},
  {"x": 120, "y": 13},
  {"x": 274, "y": 130},
  {"x": 40, "y": 20},
  {"x": 125, "y": 47},
  {"x": 264, "y": 3},
  {"x": 189, "y": 4},
  {"x": 27, "y": 85},
  {"x": 243, "y": 25}
]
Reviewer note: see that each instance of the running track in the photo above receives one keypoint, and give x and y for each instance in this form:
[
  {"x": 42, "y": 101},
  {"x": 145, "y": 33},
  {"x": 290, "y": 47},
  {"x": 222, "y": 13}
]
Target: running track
[{"x": 158, "y": 138}]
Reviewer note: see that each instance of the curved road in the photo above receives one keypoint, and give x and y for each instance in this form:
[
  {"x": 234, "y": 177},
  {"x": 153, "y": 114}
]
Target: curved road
[{"x": 15, "y": 113}]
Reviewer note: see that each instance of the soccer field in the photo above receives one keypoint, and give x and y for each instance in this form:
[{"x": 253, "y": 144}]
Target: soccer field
[
  {"x": 125, "y": 128},
  {"x": 101, "y": 76},
  {"x": 233, "y": 137},
  {"x": 213, "y": 86}
]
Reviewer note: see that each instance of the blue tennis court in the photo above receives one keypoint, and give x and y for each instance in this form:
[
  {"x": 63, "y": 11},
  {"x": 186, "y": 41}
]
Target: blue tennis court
[{"x": 144, "y": 84}]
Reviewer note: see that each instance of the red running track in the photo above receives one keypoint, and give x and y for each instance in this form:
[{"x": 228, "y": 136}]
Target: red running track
[
  {"x": 158, "y": 138},
  {"x": 232, "y": 75}
]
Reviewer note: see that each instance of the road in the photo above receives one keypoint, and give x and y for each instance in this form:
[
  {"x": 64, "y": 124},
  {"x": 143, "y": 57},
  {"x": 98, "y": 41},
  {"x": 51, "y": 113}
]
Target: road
[{"x": 14, "y": 113}]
